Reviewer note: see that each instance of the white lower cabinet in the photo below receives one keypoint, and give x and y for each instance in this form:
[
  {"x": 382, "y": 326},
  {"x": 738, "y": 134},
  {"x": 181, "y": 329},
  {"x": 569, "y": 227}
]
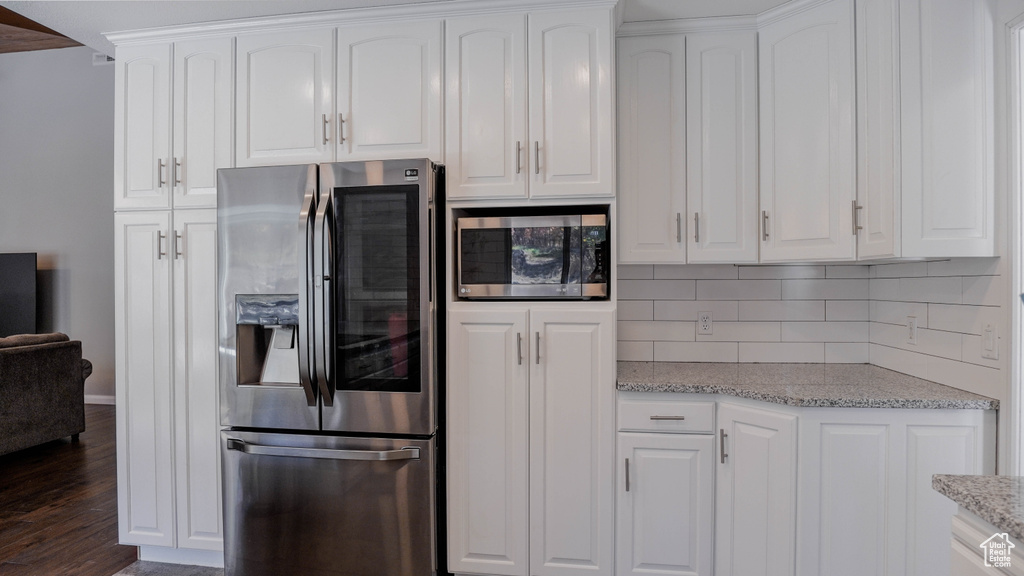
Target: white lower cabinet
[
  {"x": 531, "y": 439},
  {"x": 166, "y": 379}
]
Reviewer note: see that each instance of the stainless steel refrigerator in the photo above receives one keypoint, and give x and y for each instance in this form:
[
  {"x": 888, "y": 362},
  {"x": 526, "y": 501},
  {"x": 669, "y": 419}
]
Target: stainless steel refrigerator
[{"x": 329, "y": 367}]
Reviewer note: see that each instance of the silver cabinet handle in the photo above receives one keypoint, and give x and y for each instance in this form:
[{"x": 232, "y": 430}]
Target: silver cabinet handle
[
  {"x": 407, "y": 453},
  {"x": 160, "y": 236},
  {"x": 721, "y": 444},
  {"x": 856, "y": 224},
  {"x": 519, "y": 157},
  {"x": 326, "y": 123},
  {"x": 177, "y": 245},
  {"x": 160, "y": 166},
  {"x": 696, "y": 227},
  {"x": 177, "y": 172},
  {"x": 519, "y": 347},
  {"x": 764, "y": 225},
  {"x": 627, "y": 474},
  {"x": 538, "y": 347},
  {"x": 536, "y": 156},
  {"x": 668, "y": 417},
  {"x": 679, "y": 227},
  {"x": 341, "y": 128}
]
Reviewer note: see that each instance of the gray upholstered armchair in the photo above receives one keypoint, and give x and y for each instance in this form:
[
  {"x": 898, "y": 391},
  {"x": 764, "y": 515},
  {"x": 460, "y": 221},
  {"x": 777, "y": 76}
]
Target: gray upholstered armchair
[{"x": 42, "y": 390}]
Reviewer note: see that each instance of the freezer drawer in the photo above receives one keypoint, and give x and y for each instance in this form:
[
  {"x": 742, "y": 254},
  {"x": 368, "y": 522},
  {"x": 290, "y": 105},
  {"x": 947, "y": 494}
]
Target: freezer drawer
[{"x": 327, "y": 506}]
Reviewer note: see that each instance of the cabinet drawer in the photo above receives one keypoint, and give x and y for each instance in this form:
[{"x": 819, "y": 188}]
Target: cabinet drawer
[{"x": 666, "y": 416}]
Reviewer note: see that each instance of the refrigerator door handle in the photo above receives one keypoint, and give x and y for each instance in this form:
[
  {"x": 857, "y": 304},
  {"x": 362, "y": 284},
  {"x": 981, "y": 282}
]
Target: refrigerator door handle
[
  {"x": 306, "y": 307},
  {"x": 322, "y": 320},
  {"x": 407, "y": 453}
]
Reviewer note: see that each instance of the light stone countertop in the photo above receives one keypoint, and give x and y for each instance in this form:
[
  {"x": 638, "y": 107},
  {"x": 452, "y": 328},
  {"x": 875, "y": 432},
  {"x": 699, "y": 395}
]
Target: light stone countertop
[
  {"x": 811, "y": 385},
  {"x": 998, "y": 500}
]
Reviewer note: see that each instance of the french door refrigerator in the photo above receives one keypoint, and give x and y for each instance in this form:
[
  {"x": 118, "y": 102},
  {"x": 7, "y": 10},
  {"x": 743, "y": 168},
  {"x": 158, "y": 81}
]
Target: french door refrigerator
[{"x": 329, "y": 367}]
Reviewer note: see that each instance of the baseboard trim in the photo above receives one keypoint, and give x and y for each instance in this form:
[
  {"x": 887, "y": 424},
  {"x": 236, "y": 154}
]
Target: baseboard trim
[
  {"x": 208, "y": 558},
  {"x": 99, "y": 399}
]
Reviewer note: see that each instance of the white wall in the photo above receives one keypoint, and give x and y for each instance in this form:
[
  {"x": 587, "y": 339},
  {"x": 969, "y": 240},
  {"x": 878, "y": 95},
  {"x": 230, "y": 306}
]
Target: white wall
[{"x": 56, "y": 192}]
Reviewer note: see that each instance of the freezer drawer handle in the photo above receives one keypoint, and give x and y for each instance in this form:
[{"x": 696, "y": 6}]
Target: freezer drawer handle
[{"x": 407, "y": 453}]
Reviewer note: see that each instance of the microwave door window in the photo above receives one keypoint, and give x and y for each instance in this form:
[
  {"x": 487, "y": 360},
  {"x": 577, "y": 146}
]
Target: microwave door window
[
  {"x": 486, "y": 256},
  {"x": 543, "y": 255},
  {"x": 377, "y": 265}
]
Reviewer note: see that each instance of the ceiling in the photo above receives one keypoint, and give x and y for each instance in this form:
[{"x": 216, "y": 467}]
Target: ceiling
[
  {"x": 19, "y": 34},
  {"x": 86, "y": 20}
]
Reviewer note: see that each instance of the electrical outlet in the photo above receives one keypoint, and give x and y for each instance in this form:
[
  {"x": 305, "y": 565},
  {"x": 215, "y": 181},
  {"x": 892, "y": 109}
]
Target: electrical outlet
[
  {"x": 704, "y": 323},
  {"x": 912, "y": 330},
  {"x": 989, "y": 343}
]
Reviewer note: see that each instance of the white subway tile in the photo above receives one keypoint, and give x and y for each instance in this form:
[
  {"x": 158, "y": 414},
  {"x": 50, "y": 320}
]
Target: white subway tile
[
  {"x": 779, "y": 272},
  {"x": 966, "y": 267},
  {"x": 901, "y": 270},
  {"x": 885, "y": 289},
  {"x": 931, "y": 342},
  {"x": 655, "y": 331},
  {"x": 636, "y": 272},
  {"x": 781, "y": 352},
  {"x": 985, "y": 290},
  {"x": 739, "y": 289},
  {"x": 942, "y": 290},
  {"x": 635, "y": 310},
  {"x": 848, "y": 310},
  {"x": 848, "y": 271},
  {"x": 846, "y": 352},
  {"x": 742, "y": 332},
  {"x": 782, "y": 310},
  {"x": 962, "y": 318},
  {"x": 852, "y": 289},
  {"x": 695, "y": 272},
  {"x": 897, "y": 312},
  {"x": 635, "y": 351},
  {"x": 721, "y": 310},
  {"x": 656, "y": 289},
  {"x": 970, "y": 377},
  {"x": 898, "y": 360},
  {"x": 825, "y": 332},
  {"x": 972, "y": 352},
  {"x": 695, "y": 352}
]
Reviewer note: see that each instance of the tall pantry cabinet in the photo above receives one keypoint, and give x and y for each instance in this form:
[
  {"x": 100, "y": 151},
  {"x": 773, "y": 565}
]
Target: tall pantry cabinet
[{"x": 172, "y": 132}]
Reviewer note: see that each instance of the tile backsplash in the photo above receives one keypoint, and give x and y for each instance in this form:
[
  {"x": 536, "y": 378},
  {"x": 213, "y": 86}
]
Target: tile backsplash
[{"x": 820, "y": 313}]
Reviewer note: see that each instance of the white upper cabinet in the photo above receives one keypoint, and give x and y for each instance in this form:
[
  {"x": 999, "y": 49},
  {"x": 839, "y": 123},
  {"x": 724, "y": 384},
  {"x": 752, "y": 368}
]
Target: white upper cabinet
[
  {"x": 529, "y": 105},
  {"x": 651, "y": 79},
  {"x": 142, "y": 124},
  {"x": 721, "y": 147},
  {"x": 807, "y": 134},
  {"x": 172, "y": 123},
  {"x": 947, "y": 127},
  {"x": 389, "y": 91},
  {"x": 284, "y": 97},
  {"x": 203, "y": 81}
]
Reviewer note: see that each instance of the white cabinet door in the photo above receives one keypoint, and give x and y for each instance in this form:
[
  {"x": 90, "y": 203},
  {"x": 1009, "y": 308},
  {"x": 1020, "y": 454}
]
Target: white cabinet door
[
  {"x": 666, "y": 511},
  {"x": 807, "y": 135},
  {"x": 196, "y": 416},
  {"x": 651, "y": 81},
  {"x": 284, "y": 97},
  {"x": 142, "y": 120},
  {"x": 203, "y": 81},
  {"x": 878, "y": 131},
  {"x": 486, "y": 131},
  {"x": 721, "y": 147},
  {"x": 755, "y": 530},
  {"x": 570, "y": 86},
  {"x": 389, "y": 91},
  {"x": 572, "y": 441},
  {"x": 947, "y": 128},
  {"x": 145, "y": 402},
  {"x": 488, "y": 438}
]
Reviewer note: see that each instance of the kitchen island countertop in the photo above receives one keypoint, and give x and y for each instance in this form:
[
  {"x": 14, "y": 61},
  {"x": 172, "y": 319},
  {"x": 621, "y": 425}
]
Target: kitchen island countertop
[
  {"x": 809, "y": 385},
  {"x": 998, "y": 500}
]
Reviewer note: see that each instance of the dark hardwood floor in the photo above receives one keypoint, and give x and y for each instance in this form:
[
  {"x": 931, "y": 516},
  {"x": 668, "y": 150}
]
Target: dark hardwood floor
[{"x": 58, "y": 505}]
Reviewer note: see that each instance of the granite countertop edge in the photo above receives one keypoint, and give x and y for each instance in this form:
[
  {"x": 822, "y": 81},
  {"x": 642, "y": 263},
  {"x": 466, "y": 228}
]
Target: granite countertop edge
[
  {"x": 800, "y": 385},
  {"x": 998, "y": 500}
]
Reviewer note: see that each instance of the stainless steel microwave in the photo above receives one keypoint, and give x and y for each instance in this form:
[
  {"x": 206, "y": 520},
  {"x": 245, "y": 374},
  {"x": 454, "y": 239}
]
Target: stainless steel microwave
[{"x": 533, "y": 257}]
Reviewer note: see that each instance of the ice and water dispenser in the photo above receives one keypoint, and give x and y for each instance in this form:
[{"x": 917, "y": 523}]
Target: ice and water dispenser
[{"x": 266, "y": 330}]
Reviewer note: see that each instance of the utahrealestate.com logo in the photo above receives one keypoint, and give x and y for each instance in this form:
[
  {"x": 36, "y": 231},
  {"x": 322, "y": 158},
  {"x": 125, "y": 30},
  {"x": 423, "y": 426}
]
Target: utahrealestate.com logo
[{"x": 996, "y": 550}]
